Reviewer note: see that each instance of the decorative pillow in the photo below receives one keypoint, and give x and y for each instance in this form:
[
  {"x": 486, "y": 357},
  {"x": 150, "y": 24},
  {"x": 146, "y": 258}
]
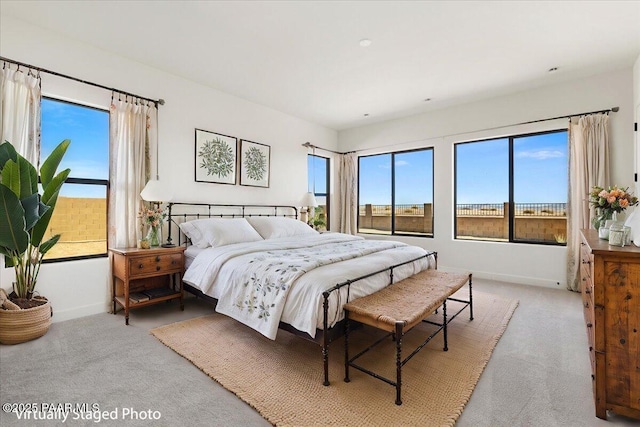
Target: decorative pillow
[
  {"x": 276, "y": 226},
  {"x": 219, "y": 231}
]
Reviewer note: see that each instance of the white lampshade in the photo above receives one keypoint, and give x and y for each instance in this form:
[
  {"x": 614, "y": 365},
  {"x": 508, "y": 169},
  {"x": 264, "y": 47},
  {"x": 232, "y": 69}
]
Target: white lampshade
[
  {"x": 309, "y": 200},
  {"x": 154, "y": 191}
]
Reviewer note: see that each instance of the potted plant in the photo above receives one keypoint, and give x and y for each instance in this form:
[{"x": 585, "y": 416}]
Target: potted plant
[{"x": 25, "y": 213}]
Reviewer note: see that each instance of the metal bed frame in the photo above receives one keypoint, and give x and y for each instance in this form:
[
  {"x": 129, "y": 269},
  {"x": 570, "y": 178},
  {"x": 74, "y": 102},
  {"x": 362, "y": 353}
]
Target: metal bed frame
[{"x": 324, "y": 336}]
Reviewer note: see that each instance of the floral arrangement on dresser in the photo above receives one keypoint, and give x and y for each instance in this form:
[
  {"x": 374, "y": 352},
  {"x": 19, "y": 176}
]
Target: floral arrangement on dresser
[{"x": 609, "y": 202}]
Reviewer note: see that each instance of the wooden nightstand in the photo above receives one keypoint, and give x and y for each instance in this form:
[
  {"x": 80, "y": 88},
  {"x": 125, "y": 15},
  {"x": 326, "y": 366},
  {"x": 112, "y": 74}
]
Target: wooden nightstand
[{"x": 139, "y": 274}]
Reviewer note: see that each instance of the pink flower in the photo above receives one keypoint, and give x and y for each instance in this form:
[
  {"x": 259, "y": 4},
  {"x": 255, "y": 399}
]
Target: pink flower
[
  {"x": 611, "y": 199},
  {"x": 624, "y": 203},
  {"x": 603, "y": 194}
]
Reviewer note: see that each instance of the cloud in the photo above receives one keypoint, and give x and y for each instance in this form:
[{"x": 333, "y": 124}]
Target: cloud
[
  {"x": 541, "y": 154},
  {"x": 398, "y": 163}
]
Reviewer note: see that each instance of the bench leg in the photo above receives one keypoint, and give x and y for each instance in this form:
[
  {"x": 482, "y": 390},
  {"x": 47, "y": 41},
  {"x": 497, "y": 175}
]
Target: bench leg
[
  {"x": 399, "y": 326},
  {"x": 470, "y": 299},
  {"x": 346, "y": 347},
  {"x": 444, "y": 323}
]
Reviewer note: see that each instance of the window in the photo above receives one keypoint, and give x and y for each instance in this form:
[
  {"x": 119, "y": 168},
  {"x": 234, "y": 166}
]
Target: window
[
  {"x": 80, "y": 216},
  {"x": 395, "y": 193},
  {"x": 318, "y": 181},
  {"x": 513, "y": 189}
]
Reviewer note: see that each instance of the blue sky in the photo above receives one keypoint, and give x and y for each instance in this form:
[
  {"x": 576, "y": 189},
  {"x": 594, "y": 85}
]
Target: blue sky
[
  {"x": 540, "y": 170},
  {"x": 88, "y": 154},
  {"x": 540, "y": 173},
  {"x": 414, "y": 178}
]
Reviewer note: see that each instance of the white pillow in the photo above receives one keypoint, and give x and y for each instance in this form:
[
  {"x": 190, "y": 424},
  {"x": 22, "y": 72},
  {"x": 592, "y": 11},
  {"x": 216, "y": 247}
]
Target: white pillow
[
  {"x": 219, "y": 231},
  {"x": 277, "y": 226},
  {"x": 192, "y": 229}
]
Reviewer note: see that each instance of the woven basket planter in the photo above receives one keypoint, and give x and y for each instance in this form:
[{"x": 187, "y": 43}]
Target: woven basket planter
[{"x": 17, "y": 326}]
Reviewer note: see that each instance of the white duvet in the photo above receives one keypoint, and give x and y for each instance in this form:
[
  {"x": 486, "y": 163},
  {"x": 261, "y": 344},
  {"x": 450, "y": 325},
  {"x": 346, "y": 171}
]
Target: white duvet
[{"x": 222, "y": 272}]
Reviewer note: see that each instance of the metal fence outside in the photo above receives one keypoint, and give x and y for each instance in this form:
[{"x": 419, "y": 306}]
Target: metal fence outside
[{"x": 476, "y": 209}]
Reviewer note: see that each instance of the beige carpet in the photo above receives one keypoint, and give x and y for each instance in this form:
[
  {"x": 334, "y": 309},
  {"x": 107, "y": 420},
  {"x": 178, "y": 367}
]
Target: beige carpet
[{"x": 282, "y": 379}]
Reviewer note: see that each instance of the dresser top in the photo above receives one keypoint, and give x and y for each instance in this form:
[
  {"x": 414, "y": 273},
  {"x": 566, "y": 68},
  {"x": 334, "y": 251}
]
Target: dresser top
[{"x": 601, "y": 246}]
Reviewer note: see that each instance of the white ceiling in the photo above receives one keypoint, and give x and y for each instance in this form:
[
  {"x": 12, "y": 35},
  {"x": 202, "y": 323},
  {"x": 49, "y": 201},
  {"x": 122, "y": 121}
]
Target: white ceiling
[{"x": 303, "y": 57}]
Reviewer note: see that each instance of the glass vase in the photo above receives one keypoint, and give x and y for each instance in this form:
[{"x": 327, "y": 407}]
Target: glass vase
[
  {"x": 601, "y": 218},
  {"x": 154, "y": 236}
]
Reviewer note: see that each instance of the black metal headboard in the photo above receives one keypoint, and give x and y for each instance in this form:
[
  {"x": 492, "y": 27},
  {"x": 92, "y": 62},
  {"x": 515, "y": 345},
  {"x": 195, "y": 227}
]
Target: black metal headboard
[{"x": 212, "y": 210}]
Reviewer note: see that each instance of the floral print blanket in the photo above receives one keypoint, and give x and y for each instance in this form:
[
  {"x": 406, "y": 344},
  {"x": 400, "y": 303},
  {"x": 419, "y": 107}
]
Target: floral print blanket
[{"x": 256, "y": 295}]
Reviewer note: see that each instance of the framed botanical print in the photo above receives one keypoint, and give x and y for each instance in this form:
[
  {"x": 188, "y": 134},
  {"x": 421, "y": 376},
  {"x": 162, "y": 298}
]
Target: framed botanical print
[
  {"x": 255, "y": 160},
  {"x": 216, "y": 157}
]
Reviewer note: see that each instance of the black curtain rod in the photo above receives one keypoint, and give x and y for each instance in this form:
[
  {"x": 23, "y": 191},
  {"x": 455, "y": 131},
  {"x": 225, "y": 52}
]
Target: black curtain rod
[
  {"x": 612, "y": 109},
  {"x": 44, "y": 70},
  {"x": 310, "y": 145}
]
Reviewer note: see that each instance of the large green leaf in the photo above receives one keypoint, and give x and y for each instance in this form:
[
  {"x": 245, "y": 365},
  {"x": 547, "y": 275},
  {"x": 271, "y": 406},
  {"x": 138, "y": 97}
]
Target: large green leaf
[
  {"x": 13, "y": 236},
  {"x": 21, "y": 177},
  {"x": 50, "y": 165},
  {"x": 45, "y": 246},
  {"x": 7, "y": 151},
  {"x": 49, "y": 198},
  {"x": 33, "y": 210},
  {"x": 28, "y": 178}
]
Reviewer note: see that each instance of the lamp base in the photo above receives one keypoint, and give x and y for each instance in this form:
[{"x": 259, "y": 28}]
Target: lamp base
[{"x": 167, "y": 245}]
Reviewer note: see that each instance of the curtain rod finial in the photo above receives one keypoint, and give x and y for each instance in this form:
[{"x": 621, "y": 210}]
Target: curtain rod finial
[
  {"x": 307, "y": 144},
  {"x": 615, "y": 109},
  {"x": 161, "y": 101}
]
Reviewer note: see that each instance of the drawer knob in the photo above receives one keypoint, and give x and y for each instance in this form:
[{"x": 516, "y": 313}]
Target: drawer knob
[
  {"x": 157, "y": 268},
  {"x": 141, "y": 266},
  {"x": 589, "y": 325},
  {"x": 587, "y": 291},
  {"x": 586, "y": 305},
  {"x": 586, "y": 262},
  {"x": 590, "y": 348},
  {"x": 158, "y": 258}
]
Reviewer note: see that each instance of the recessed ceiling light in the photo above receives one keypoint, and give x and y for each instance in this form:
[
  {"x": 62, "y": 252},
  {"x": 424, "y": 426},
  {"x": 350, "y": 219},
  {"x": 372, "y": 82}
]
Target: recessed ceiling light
[
  {"x": 553, "y": 69},
  {"x": 365, "y": 42},
  {"x": 366, "y": 114},
  {"x": 427, "y": 99}
]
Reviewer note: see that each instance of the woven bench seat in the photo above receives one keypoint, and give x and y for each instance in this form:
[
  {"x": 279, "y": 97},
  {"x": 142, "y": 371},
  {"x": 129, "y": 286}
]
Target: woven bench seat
[{"x": 401, "y": 306}]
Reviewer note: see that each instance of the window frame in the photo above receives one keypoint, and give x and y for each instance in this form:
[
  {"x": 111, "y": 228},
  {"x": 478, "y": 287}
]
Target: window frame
[
  {"x": 326, "y": 195},
  {"x": 510, "y": 146},
  {"x": 393, "y": 193},
  {"x": 84, "y": 181}
]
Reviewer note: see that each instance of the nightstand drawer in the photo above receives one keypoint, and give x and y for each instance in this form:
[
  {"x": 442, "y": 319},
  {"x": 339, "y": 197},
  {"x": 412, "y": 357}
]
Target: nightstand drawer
[{"x": 139, "y": 266}]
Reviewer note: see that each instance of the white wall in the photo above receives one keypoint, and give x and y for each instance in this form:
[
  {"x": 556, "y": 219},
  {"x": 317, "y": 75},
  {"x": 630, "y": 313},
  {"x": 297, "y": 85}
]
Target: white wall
[
  {"x": 82, "y": 287},
  {"x": 520, "y": 263}
]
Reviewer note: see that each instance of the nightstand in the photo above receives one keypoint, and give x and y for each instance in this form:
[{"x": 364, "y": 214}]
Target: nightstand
[{"x": 143, "y": 277}]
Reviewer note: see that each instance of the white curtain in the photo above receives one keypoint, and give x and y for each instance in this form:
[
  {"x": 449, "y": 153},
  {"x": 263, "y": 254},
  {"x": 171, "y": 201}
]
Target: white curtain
[
  {"x": 20, "y": 111},
  {"x": 133, "y": 124},
  {"x": 588, "y": 167},
  {"x": 347, "y": 193}
]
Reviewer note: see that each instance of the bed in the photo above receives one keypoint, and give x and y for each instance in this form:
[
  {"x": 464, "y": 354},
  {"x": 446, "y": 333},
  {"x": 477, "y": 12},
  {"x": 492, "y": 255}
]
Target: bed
[{"x": 270, "y": 271}]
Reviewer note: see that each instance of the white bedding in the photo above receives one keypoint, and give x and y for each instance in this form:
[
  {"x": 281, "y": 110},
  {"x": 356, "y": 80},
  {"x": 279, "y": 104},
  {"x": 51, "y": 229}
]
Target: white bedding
[
  {"x": 213, "y": 269},
  {"x": 190, "y": 254}
]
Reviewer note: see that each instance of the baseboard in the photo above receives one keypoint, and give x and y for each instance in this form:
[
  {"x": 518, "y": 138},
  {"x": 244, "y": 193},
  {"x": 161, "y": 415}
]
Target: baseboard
[
  {"x": 508, "y": 278},
  {"x": 76, "y": 312}
]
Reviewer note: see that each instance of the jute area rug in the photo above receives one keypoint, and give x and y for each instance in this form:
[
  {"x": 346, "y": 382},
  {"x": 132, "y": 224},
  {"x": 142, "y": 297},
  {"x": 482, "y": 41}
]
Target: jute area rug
[{"x": 282, "y": 379}]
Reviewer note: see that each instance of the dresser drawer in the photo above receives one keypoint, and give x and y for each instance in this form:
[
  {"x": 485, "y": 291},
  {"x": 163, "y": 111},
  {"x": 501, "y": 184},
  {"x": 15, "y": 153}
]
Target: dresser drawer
[{"x": 152, "y": 264}]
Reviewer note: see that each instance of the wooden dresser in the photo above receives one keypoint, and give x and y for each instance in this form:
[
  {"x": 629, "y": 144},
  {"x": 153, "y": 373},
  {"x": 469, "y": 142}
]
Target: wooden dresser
[{"x": 610, "y": 278}]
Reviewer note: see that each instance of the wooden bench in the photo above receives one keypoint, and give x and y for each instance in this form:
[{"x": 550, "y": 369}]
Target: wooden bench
[{"x": 399, "y": 307}]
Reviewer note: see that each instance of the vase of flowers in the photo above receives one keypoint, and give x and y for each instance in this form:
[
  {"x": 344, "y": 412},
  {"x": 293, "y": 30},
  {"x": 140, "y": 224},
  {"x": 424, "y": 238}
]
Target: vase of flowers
[
  {"x": 152, "y": 217},
  {"x": 609, "y": 203}
]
